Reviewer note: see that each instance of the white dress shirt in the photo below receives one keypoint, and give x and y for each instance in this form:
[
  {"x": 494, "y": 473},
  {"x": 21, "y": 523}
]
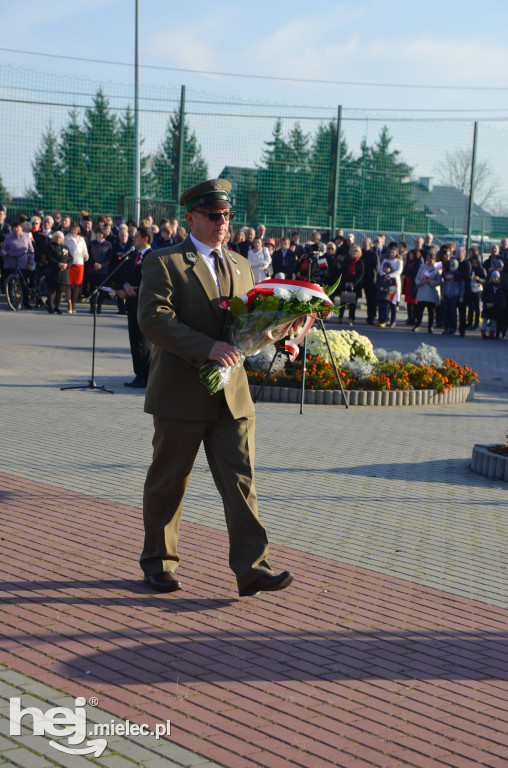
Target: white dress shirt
[{"x": 205, "y": 251}]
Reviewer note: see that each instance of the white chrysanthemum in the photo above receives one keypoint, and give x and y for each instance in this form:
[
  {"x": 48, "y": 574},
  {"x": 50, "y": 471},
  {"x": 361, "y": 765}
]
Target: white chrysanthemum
[
  {"x": 302, "y": 295},
  {"x": 282, "y": 293},
  {"x": 344, "y": 345},
  {"x": 361, "y": 346}
]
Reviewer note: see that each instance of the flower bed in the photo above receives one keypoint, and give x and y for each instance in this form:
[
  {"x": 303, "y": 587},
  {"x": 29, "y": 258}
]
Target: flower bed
[
  {"x": 490, "y": 461},
  {"x": 419, "y": 378},
  {"x": 363, "y": 397}
]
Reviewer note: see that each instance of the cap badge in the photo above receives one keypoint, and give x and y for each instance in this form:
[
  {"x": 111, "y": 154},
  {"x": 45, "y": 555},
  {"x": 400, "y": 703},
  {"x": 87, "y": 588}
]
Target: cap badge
[{"x": 217, "y": 185}]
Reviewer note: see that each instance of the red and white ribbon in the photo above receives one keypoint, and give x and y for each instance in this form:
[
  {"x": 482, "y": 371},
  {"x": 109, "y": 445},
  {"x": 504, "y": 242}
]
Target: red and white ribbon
[{"x": 268, "y": 286}]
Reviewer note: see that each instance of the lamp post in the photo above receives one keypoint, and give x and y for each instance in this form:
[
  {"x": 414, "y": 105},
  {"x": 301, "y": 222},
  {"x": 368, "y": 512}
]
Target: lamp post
[{"x": 137, "y": 170}]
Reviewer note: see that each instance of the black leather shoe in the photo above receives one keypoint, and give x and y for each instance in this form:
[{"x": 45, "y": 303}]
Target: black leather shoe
[
  {"x": 268, "y": 582},
  {"x": 137, "y": 383},
  {"x": 163, "y": 581}
]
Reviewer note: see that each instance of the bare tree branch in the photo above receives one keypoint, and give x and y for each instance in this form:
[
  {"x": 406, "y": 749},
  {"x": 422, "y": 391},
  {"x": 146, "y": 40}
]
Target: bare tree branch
[{"x": 455, "y": 171}]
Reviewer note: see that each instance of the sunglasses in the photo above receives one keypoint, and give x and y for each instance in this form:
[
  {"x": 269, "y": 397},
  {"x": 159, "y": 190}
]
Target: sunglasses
[{"x": 216, "y": 215}]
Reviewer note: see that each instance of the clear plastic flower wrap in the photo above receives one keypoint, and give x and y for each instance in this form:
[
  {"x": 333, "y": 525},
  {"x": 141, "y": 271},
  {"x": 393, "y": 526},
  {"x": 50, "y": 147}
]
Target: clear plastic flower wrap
[{"x": 264, "y": 315}]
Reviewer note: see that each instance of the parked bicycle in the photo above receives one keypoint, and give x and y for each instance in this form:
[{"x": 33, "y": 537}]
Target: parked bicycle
[{"x": 17, "y": 284}]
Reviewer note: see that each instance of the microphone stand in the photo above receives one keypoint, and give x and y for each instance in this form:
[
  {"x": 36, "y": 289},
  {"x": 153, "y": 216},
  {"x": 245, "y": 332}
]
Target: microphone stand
[
  {"x": 92, "y": 384},
  {"x": 304, "y": 355}
]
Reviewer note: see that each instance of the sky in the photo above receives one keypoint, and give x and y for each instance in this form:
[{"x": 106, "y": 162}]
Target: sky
[{"x": 440, "y": 60}]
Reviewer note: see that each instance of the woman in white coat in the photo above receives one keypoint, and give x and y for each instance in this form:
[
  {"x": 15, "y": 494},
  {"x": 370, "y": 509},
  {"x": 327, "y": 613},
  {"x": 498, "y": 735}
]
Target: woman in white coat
[
  {"x": 393, "y": 258},
  {"x": 427, "y": 283},
  {"x": 259, "y": 258},
  {"x": 76, "y": 245}
]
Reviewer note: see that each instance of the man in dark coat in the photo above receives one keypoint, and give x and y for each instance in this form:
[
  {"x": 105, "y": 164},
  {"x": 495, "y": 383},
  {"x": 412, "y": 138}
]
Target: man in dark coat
[
  {"x": 463, "y": 274},
  {"x": 130, "y": 279},
  {"x": 97, "y": 266},
  {"x": 284, "y": 259},
  {"x": 245, "y": 247},
  {"x": 295, "y": 241},
  {"x": 123, "y": 244},
  {"x": 5, "y": 227},
  {"x": 371, "y": 268}
]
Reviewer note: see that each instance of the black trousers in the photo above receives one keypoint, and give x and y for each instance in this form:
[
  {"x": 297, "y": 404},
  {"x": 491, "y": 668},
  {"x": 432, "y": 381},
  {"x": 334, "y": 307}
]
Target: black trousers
[
  {"x": 370, "y": 297},
  {"x": 462, "y": 316},
  {"x": 473, "y": 309},
  {"x": 419, "y": 312},
  {"x": 141, "y": 348}
]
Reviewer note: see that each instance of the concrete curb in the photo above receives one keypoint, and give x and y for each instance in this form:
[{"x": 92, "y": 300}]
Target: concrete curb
[
  {"x": 363, "y": 397},
  {"x": 489, "y": 464}
]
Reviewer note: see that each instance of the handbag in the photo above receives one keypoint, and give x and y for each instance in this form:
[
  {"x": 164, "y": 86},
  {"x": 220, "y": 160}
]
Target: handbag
[{"x": 348, "y": 297}]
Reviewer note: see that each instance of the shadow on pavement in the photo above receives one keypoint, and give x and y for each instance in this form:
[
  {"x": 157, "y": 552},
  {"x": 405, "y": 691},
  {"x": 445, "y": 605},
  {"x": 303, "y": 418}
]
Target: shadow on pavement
[
  {"x": 244, "y": 656},
  {"x": 432, "y": 471}
]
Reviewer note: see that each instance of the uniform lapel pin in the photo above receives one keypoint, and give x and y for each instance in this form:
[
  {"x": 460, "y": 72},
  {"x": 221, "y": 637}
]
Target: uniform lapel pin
[
  {"x": 191, "y": 257},
  {"x": 232, "y": 258},
  {"x": 238, "y": 272}
]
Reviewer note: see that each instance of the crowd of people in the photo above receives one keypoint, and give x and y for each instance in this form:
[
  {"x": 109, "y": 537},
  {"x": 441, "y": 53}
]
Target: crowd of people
[
  {"x": 75, "y": 257},
  {"x": 456, "y": 289}
]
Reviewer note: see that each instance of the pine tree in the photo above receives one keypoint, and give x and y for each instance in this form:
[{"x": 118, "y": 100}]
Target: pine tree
[
  {"x": 384, "y": 196},
  {"x": 321, "y": 181},
  {"x": 47, "y": 170},
  {"x": 298, "y": 168},
  {"x": 165, "y": 161},
  {"x": 101, "y": 156},
  {"x": 71, "y": 153},
  {"x": 4, "y": 195},
  {"x": 126, "y": 159},
  {"x": 273, "y": 180}
]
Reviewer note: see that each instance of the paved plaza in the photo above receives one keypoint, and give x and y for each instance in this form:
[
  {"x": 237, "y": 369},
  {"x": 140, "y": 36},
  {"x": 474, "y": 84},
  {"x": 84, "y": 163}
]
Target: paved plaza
[{"x": 390, "y": 648}]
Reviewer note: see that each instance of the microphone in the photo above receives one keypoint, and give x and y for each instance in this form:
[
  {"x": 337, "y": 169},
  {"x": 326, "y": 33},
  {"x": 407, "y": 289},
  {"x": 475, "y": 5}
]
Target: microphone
[{"x": 132, "y": 249}]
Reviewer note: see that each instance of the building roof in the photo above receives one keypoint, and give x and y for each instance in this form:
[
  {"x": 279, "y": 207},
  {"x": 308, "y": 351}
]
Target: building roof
[{"x": 449, "y": 207}]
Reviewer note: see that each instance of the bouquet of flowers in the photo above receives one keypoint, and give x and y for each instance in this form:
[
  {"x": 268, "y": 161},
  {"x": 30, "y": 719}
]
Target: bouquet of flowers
[{"x": 264, "y": 315}]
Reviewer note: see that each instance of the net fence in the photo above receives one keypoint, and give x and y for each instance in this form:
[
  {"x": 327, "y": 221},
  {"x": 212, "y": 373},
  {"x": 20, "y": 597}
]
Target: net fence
[{"x": 68, "y": 145}]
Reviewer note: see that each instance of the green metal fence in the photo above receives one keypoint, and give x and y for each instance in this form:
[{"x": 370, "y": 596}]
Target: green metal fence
[{"x": 68, "y": 145}]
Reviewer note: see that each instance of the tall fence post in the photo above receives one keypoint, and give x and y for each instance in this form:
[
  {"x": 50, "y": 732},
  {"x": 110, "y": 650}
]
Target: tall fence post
[
  {"x": 471, "y": 188},
  {"x": 336, "y": 174},
  {"x": 137, "y": 161},
  {"x": 181, "y": 145}
]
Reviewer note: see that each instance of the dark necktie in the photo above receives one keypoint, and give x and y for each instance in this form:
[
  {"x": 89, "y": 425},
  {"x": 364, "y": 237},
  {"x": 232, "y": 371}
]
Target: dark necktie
[{"x": 223, "y": 276}]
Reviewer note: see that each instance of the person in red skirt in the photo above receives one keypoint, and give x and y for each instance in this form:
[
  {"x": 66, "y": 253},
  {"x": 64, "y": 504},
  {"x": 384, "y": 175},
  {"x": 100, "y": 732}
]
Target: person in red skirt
[{"x": 77, "y": 247}]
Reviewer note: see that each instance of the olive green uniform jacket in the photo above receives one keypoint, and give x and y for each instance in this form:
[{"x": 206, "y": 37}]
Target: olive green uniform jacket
[{"x": 179, "y": 313}]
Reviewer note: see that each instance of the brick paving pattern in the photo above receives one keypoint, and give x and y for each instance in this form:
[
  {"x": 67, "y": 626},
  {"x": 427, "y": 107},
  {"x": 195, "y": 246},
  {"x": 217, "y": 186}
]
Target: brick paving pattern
[{"x": 390, "y": 649}]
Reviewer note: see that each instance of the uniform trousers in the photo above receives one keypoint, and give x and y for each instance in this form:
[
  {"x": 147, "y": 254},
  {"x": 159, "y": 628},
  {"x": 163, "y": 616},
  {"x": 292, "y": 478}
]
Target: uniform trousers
[
  {"x": 229, "y": 448},
  {"x": 141, "y": 348}
]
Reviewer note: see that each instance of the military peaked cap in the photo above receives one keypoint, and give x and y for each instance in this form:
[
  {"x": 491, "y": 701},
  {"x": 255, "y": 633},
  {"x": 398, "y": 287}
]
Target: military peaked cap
[{"x": 208, "y": 192}]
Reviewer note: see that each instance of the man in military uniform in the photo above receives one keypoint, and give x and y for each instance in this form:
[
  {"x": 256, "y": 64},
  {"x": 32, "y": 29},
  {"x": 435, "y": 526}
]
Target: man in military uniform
[{"x": 179, "y": 313}]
